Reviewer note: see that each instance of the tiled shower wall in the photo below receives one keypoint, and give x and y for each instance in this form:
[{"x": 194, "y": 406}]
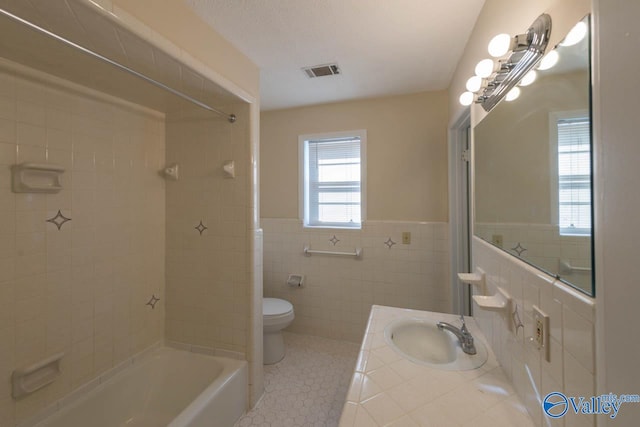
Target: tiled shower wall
[
  {"x": 80, "y": 288},
  {"x": 571, "y": 367},
  {"x": 338, "y": 292},
  {"x": 209, "y": 241}
]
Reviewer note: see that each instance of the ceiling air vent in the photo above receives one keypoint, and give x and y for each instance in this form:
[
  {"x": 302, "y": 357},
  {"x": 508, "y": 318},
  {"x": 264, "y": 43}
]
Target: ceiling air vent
[{"x": 322, "y": 70}]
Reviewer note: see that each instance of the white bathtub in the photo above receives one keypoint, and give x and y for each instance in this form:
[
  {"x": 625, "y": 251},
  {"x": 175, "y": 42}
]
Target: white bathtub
[{"x": 168, "y": 387}]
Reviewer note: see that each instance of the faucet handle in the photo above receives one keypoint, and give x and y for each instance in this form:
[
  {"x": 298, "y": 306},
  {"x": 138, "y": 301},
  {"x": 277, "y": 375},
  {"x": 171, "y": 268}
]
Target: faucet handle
[{"x": 463, "y": 329}]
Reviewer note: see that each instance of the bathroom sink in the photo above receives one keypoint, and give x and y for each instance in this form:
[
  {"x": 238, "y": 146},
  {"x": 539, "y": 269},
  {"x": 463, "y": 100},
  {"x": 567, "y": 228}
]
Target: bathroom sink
[{"x": 420, "y": 341}]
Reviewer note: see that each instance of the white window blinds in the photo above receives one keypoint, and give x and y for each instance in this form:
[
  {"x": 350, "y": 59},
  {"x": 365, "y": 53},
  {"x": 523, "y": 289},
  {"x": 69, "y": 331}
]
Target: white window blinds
[
  {"x": 574, "y": 176},
  {"x": 332, "y": 184}
]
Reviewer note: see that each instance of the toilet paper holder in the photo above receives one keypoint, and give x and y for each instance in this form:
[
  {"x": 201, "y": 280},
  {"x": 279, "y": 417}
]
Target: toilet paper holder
[{"x": 295, "y": 280}]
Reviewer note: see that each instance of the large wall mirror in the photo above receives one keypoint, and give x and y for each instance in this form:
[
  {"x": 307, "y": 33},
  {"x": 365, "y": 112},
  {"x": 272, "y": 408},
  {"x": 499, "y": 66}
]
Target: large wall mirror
[{"x": 532, "y": 161}]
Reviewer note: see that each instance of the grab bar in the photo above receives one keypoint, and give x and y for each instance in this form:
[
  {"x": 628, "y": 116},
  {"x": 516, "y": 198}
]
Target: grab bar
[
  {"x": 357, "y": 253},
  {"x": 567, "y": 268}
]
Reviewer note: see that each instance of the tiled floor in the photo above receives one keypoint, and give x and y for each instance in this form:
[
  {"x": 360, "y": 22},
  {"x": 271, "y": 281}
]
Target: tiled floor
[{"x": 308, "y": 387}]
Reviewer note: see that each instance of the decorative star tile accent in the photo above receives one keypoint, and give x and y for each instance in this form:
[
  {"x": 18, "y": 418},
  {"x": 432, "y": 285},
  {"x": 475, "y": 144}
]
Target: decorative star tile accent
[
  {"x": 153, "y": 301},
  {"x": 200, "y": 227},
  {"x": 389, "y": 242},
  {"x": 334, "y": 240},
  {"x": 519, "y": 249},
  {"x": 58, "y": 220}
]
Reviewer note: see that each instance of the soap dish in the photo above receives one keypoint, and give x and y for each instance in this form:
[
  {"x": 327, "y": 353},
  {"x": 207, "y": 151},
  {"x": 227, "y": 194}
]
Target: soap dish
[
  {"x": 500, "y": 302},
  {"x": 475, "y": 279}
]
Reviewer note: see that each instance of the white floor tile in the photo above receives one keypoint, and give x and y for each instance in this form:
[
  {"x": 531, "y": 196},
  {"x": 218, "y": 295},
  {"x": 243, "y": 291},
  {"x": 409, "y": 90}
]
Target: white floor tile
[{"x": 308, "y": 387}]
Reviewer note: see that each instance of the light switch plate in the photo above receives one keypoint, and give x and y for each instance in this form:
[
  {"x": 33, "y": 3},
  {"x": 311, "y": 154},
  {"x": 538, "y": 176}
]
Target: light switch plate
[
  {"x": 406, "y": 238},
  {"x": 541, "y": 332}
]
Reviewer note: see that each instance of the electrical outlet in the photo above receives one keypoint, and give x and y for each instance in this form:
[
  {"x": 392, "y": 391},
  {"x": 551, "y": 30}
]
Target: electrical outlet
[
  {"x": 541, "y": 332},
  {"x": 496, "y": 239},
  {"x": 406, "y": 238}
]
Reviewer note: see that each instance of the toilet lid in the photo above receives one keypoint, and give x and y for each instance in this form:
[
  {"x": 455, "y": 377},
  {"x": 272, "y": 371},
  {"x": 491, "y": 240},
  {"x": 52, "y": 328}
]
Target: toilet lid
[{"x": 275, "y": 307}]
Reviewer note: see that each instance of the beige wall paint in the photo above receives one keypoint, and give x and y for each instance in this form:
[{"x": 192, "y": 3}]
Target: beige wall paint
[
  {"x": 175, "y": 20},
  {"x": 512, "y": 156},
  {"x": 406, "y": 154}
]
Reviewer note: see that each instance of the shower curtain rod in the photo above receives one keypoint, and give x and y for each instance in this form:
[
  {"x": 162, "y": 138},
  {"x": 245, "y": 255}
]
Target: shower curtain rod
[{"x": 230, "y": 117}]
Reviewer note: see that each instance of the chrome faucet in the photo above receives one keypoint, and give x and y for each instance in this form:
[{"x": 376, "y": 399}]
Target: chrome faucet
[{"x": 463, "y": 334}]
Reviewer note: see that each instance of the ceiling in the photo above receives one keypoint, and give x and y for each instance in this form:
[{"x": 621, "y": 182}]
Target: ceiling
[{"x": 382, "y": 47}]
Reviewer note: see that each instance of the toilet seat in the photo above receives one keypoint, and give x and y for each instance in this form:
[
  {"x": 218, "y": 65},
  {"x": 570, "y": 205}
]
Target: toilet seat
[
  {"x": 276, "y": 311},
  {"x": 275, "y": 307}
]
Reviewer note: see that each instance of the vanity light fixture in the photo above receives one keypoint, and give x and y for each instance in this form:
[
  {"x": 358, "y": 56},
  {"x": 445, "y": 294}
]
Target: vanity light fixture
[
  {"x": 529, "y": 78},
  {"x": 484, "y": 68},
  {"x": 474, "y": 84},
  {"x": 499, "y": 45},
  {"x": 513, "y": 94},
  {"x": 549, "y": 60},
  {"x": 516, "y": 56},
  {"x": 575, "y": 36},
  {"x": 467, "y": 98}
]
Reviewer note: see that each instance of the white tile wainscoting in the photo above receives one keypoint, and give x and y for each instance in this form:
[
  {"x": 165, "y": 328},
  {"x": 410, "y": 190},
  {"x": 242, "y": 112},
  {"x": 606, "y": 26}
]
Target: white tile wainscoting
[
  {"x": 542, "y": 245},
  {"x": 571, "y": 368},
  {"x": 338, "y": 292}
]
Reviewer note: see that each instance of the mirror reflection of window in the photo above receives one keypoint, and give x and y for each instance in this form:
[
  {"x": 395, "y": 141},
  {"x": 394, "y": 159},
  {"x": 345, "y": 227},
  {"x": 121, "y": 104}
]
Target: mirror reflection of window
[{"x": 574, "y": 176}]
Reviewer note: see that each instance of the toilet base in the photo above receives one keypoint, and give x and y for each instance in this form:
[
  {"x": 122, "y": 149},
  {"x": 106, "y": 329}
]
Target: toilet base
[{"x": 273, "y": 348}]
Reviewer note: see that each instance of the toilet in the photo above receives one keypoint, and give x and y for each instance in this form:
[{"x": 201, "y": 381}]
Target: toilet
[{"x": 277, "y": 314}]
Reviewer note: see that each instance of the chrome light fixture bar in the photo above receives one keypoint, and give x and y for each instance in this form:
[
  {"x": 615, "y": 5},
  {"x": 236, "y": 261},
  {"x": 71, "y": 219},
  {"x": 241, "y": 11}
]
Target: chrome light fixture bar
[
  {"x": 518, "y": 55},
  {"x": 519, "y": 63}
]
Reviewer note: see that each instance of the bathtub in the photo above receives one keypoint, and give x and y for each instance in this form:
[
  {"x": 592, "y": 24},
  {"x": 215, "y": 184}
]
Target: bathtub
[{"x": 168, "y": 387}]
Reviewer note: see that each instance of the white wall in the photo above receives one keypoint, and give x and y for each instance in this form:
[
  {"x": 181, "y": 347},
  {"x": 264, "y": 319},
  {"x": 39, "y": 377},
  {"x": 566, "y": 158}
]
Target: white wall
[
  {"x": 338, "y": 292},
  {"x": 617, "y": 46}
]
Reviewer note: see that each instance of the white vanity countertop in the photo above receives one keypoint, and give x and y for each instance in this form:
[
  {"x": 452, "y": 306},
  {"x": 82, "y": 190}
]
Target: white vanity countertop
[{"x": 389, "y": 390}]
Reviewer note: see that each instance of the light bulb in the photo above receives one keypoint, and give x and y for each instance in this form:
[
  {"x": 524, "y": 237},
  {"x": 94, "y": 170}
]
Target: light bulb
[
  {"x": 474, "y": 84},
  {"x": 499, "y": 45},
  {"x": 513, "y": 94},
  {"x": 576, "y": 34},
  {"x": 484, "y": 68},
  {"x": 528, "y": 78},
  {"x": 549, "y": 60},
  {"x": 466, "y": 98}
]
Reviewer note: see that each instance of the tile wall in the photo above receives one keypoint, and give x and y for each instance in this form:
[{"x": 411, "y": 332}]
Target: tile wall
[
  {"x": 571, "y": 367},
  {"x": 543, "y": 245},
  {"x": 79, "y": 286},
  {"x": 209, "y": 241},
  {"x": 338, "y": 292}
]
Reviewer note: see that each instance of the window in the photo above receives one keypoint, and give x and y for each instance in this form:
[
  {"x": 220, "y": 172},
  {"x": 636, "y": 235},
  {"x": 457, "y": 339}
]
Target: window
[
  {"x": 574, "y": 175},
  {"x": 332, "y": 179}
]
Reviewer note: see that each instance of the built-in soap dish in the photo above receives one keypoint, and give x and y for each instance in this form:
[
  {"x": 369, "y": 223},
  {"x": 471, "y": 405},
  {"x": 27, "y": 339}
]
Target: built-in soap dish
[
  {"x": 36, "y": 178},
  {"x": 500, "y": 302},
  {"x": 29, "y": 379},
  {"x": 476, "y": 279}
]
